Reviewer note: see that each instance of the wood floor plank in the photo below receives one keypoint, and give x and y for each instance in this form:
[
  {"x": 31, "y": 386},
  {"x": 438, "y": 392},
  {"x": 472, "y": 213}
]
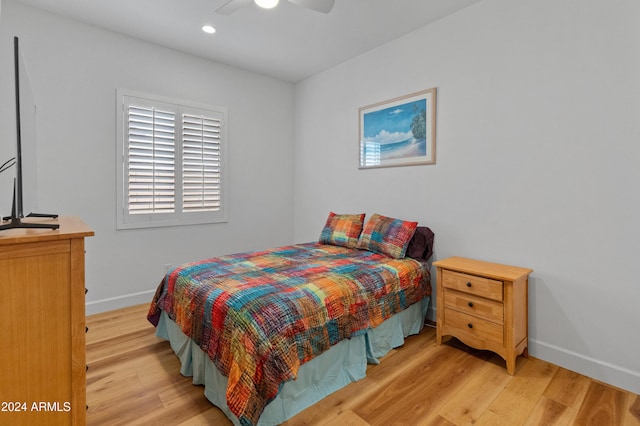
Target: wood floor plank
[
  {"x": 632, "y": 415},
  {"x": 179, "y": 405},
  {"x": 521, "y": 394},
  {"x": 602, "y": 405},
  {"x": 548, "y": 412},
  {"x": 431, "y": 383},
  {"x": 117, "y": 323},
  {"x": 346, "y": 418},
  {"x": 468, "y": 404},
  {"x": 440, "y": 421},
  {"x": 568, "y": 388},
  {"x": 212, "y": 416},
  {"x": 134, "y": 379}
]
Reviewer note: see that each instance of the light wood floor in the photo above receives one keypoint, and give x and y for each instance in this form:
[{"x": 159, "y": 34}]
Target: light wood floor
[{"x": 134, "y": 379}]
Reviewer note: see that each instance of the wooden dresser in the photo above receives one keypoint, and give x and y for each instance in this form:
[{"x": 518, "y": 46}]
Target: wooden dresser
[
  {"x": 42, "y": 324},
  {"x": 484, "y": 305}
]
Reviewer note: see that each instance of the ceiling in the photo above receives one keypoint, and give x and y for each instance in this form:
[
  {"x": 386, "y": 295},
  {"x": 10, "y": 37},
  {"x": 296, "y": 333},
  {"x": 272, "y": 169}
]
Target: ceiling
[{"x": 289, "y": 42}]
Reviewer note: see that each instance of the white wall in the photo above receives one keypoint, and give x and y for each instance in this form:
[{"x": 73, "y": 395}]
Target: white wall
[
  {"x": 538, "y": 140},
  {"x": 74, "y": 71}
]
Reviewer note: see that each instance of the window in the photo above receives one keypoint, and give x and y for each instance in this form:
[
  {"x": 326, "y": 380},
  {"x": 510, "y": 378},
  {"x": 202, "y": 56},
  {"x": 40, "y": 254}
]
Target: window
[{"x": 171, "y": 157}]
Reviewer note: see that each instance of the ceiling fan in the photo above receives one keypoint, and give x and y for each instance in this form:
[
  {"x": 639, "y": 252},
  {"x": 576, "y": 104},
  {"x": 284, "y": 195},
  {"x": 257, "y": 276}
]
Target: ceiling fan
[{"x": 323, "y": 6}]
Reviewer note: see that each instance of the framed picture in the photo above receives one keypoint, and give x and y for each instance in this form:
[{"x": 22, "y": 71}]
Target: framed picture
[{"x": 399, "y": 132}]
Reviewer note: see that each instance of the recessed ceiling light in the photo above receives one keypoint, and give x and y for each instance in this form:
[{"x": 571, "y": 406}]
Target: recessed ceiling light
[
  {"x": 208, "y": 29},
  {"x": 267, "y": 4}
]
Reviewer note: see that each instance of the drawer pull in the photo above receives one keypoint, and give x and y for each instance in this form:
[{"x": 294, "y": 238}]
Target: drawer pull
[
  {"x": 470, "y": 304},
  {"x": 470, "y": 325},
  {"x": 468, "y": 284}
]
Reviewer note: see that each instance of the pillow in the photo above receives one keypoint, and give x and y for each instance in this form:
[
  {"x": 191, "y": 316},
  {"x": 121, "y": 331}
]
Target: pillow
[
  {"x": 386, "y": 235},
  {"x": 342, "y": 229},
  {"x": 421, "y": 245}
]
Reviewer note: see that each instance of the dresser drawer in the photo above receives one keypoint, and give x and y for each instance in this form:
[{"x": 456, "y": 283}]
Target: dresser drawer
[
  {"x": 474, "y": 326},
  {"x": 472, "y": 284},
  {"x": 472, "y": 305}
]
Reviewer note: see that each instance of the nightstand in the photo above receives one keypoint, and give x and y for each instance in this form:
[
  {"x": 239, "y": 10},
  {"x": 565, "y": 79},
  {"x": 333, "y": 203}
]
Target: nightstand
[{"x": 484, "y": 305}]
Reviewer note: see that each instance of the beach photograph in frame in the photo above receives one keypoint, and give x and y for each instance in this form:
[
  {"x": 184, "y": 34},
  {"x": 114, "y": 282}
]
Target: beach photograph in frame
[{"x": 399, "y": 132}]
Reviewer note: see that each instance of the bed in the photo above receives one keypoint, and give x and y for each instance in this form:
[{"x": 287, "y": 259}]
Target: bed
[{"x": 270, "y": 332}]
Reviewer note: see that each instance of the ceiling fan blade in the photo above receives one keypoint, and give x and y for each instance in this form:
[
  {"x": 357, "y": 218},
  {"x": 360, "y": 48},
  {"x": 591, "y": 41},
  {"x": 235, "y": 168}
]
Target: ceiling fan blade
[
  {"x": 231, "y": 6},
  {"x": 323, "y": 6}
]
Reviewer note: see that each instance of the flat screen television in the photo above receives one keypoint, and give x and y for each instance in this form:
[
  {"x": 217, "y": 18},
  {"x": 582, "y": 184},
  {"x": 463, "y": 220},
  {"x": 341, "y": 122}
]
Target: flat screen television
[{"x": 25, "y": 159}]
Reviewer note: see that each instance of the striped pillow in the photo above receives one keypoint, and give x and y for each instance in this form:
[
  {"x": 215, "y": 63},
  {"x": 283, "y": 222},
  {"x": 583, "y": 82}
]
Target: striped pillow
[
  {"x": 387, "y": 236},
  {"x": 342, "y": 229}
]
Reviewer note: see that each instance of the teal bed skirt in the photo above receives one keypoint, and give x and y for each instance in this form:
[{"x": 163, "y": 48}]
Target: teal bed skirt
[{"x": 344, "y": 363}]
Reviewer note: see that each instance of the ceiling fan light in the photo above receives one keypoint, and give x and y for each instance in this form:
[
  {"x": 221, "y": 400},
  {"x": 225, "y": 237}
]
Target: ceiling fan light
[{"x": 267, "y": 4}]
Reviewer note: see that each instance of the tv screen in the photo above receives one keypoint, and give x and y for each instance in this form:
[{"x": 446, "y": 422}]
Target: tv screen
[
  {"x": 26, "y": 161},
  {"x": 25, "y": 196}
]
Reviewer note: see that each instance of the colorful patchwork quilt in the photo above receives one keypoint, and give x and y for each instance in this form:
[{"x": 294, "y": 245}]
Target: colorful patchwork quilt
[{"x": 260, "y": 315}]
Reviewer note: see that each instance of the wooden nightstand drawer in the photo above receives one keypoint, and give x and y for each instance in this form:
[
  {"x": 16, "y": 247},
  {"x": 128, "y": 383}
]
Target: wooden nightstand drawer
[
  {"x": 474, "y": 326},
  {"x": 479, "y": 286},
  {"x": 472, "y": 305}
]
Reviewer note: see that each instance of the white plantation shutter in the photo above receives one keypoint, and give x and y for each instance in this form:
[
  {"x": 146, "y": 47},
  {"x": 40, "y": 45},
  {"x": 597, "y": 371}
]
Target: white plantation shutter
[
  {"x": 201, "y": 163},
  {"x": 171, "y": 163},
  {"x": 151, "y": 158}
]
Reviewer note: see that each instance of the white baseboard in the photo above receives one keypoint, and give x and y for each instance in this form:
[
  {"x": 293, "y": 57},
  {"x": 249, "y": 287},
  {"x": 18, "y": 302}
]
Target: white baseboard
[
  {"x": 596, "y": 369},
  {"x": 104, "y": 305}
]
